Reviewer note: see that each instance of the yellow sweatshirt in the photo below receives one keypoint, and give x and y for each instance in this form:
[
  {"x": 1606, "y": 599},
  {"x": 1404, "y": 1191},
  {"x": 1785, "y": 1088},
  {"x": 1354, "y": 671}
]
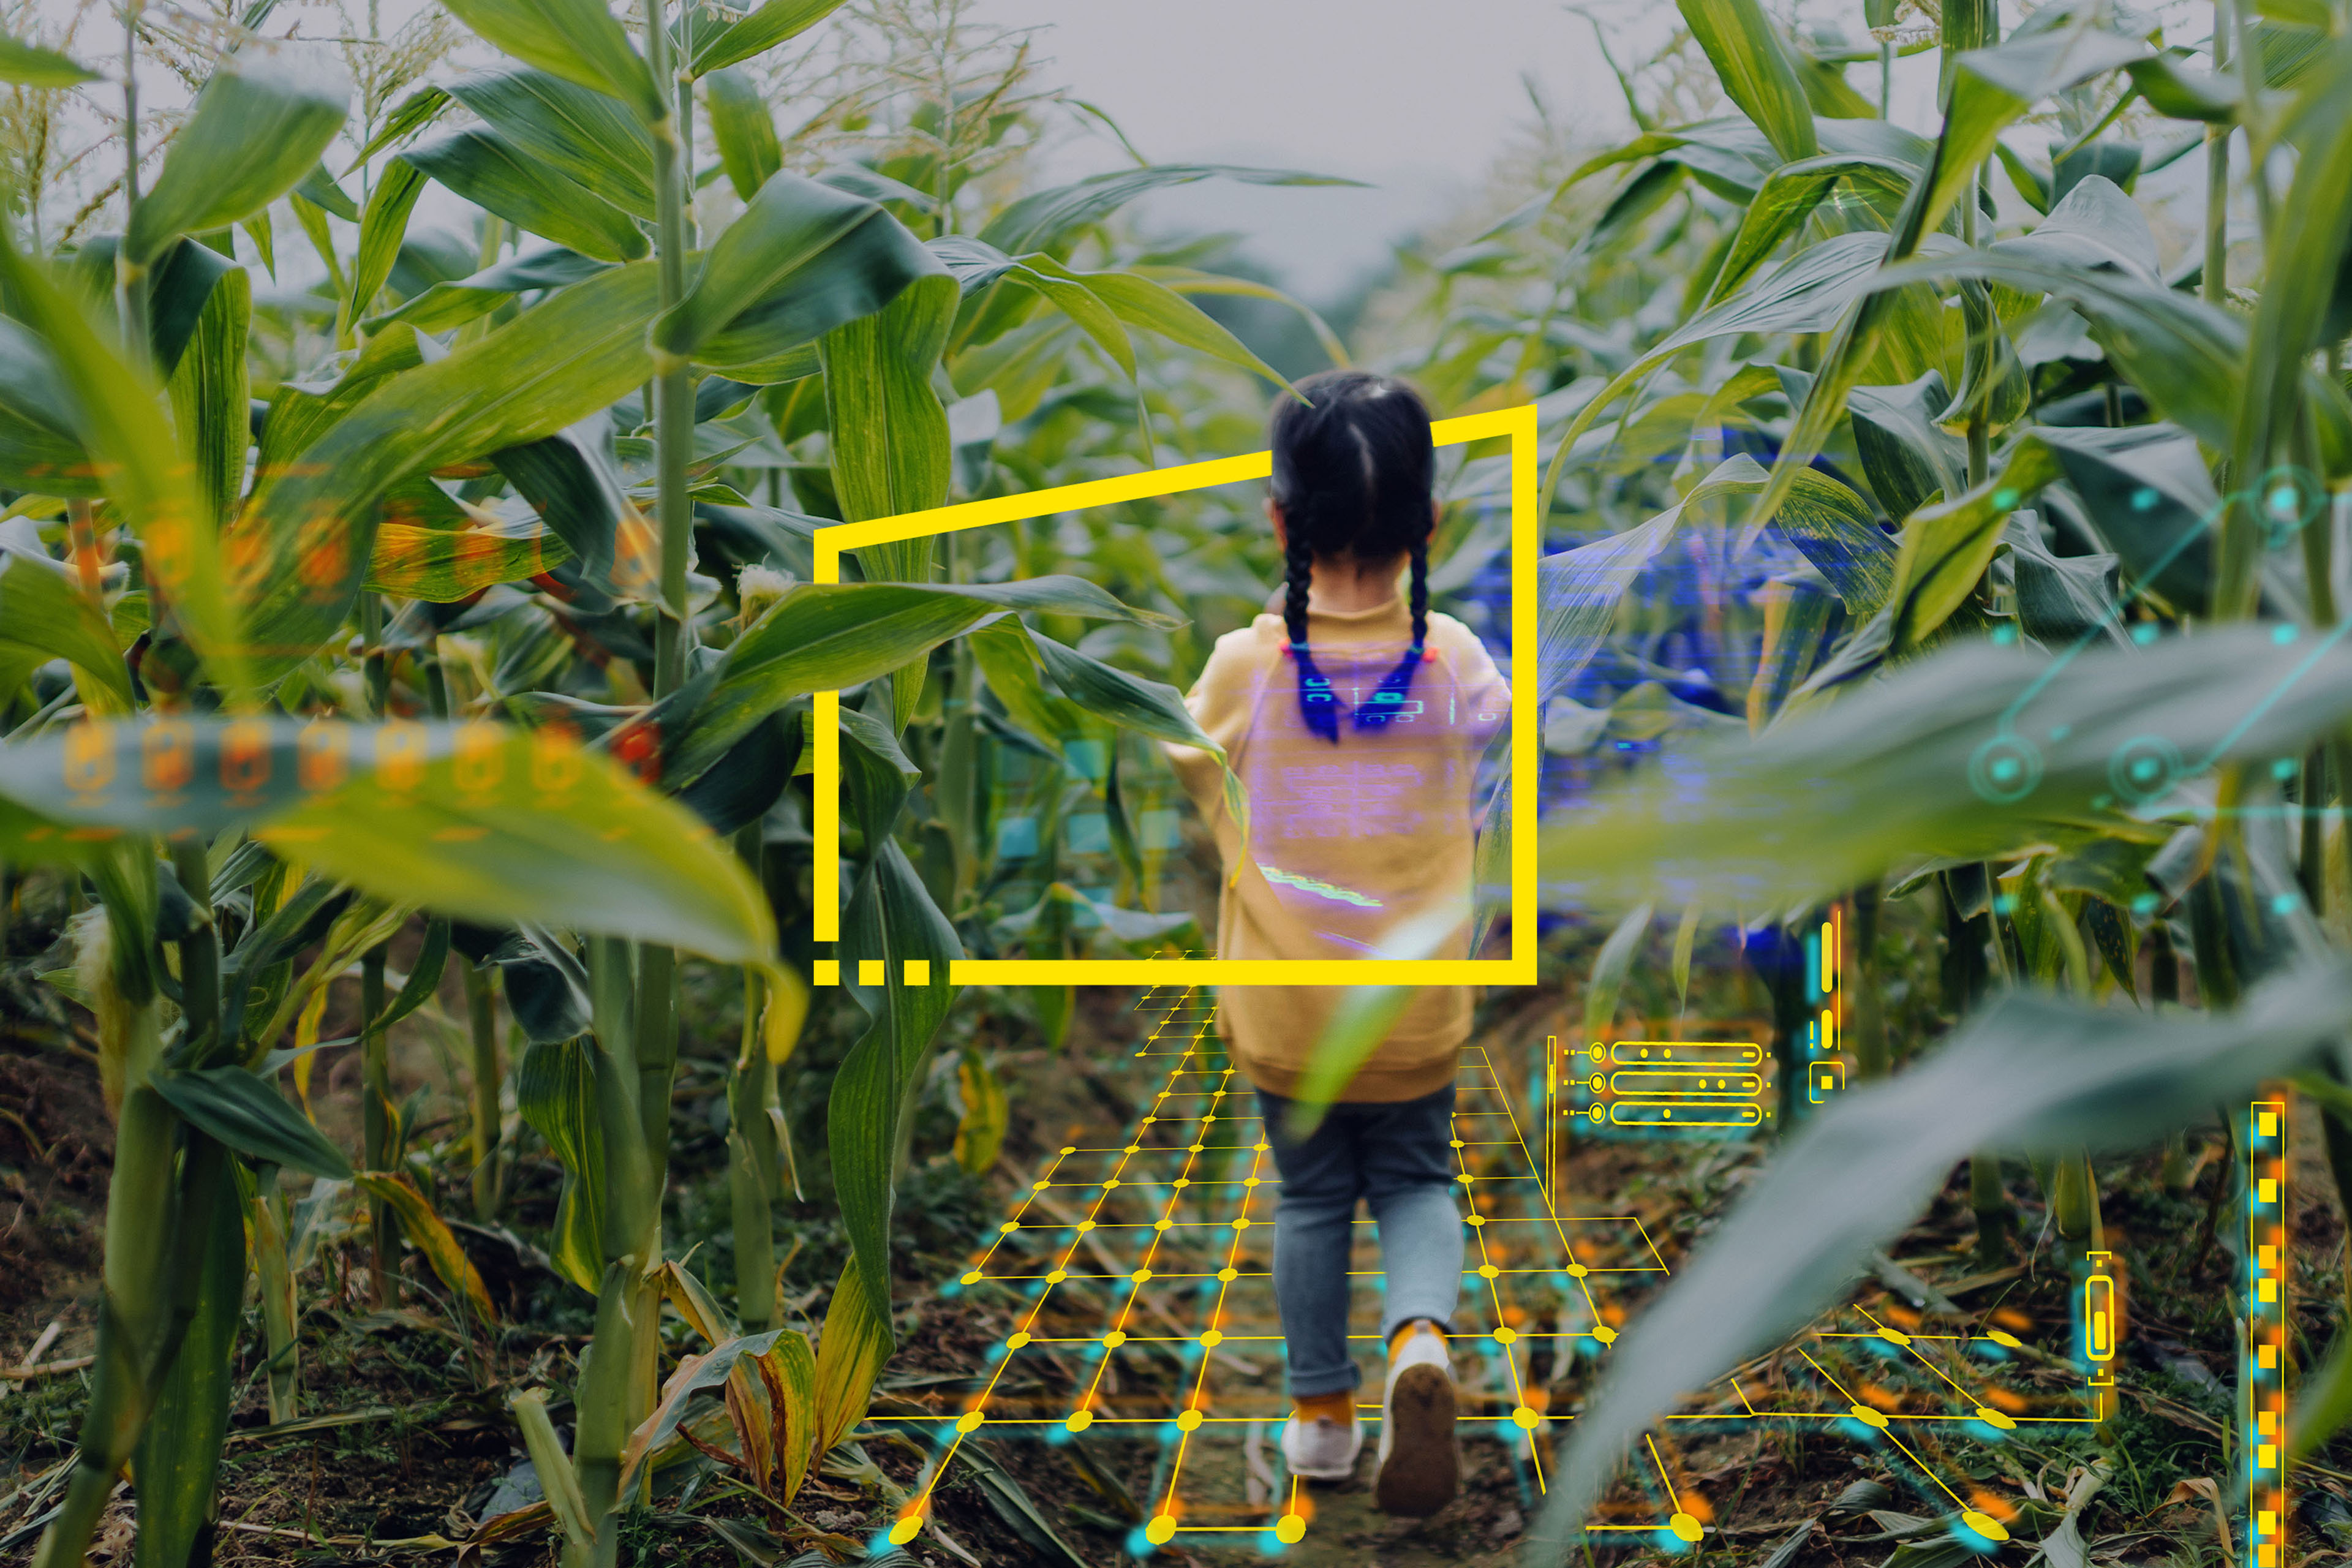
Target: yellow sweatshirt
[{"x": 1351, "y": 845}]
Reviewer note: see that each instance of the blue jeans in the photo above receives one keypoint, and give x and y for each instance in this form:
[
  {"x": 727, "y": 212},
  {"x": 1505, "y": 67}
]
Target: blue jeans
[{"x": 1399, "y": 1159}]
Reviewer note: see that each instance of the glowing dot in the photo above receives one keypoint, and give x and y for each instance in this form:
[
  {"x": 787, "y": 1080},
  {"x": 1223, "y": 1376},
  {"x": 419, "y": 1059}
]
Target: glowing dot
[
  {"x": 906, "y": 1530},
  {"x": 1182, "y": 1182},
  {"x": 1140, "y": 1275},
  {"x": 1188, "y": 1422},
  {"x": 1009, "y": 1226},
  {"x": 1115, "y": 1339},
  {"x": 1228, "y": 1275},
  {"x": 1507, "y": 1336},
  {"x": 1605, "y": 1334},
  {"x": 1984, "y": 1524},
  {"x": 970, "y": 1422},
  {"x": 1465, "y": 1178},
  {"x": 1207, "y": 1120},
  {"x": 1016, "y": 1340},
  {"x": 1212, "y": 1339},
  {"x": 1056, "y": 1276},
  {"x": 1149, "y": 1120},
  {"x": 1995, "y": 1419},
  {"x": 1135, "y": 1149},
  {"x": 1685, "y": 1527},
  {"x": 1193, "y": 1149},
  {"x": 2001, "y": 1337},
  {"x": 1457, "y": 1143},
  {"x": 2283, "y": 635},
  {"x": 1869, "y": 1417},
  {"x": 2283, "y": 500},
  {"x": 2003, "y": 500},
  {"x": 1290, "y": 1528},
  {"x": 1578, "y": 1271},
  {"x": 1250, "y": 1182},
  {"x": 1161, "y": 1531},
  {"x": 1084, "y": 1226},
  {"x": 1895, "y": 1336},
  {"x": 1261, "y": 1145},
  {"x": 1041, "y": 1184},
  {"x": 1473, "y": 1220},
  {"x": 1487, "y": 1271},
  {"x": 1161, "y": 1224},
  {"x": 1524, "y": 1419},
  {"x": 2144, "y": 498},
  {"x": 1069, "y": 1148},
  {"x": 972, "y": 1278},
  {"x": 1111, "y": 1183},
  {"x": 1080, "y": 1421},
  {"x": 1243, "y": 1223},
  {"x": 2283, "y": 904}
]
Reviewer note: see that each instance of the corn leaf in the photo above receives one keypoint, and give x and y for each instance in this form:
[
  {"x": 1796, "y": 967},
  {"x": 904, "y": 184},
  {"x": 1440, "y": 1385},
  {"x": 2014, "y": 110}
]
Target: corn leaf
[
  {"x": 256, "y": 127},
  {"x": 579, "y": 40},
  {"x": 856, "y": 1341},
  {"x": 580, "y": 133},
  {"x": 383, "y": 226},
  {"x": 444, "y": 565},
  {"x": 430, "y": 1235},
  {"x": 2033, "y": 1074},
  {"x": 553, "y": 1465},
  {"x": 516, "y": 184},
  {"x": 744, "y": 130},
  {"x": 712, "y": 47},
  {"x": 178, "y": 1465},
  {"x": 1753, "y": 64},
  {"x": 246, "y": 1113},
  {"x": 555, "y": 1090},
  {"x": 44, "y": 614},
  {"x": 29, "y": 65}
]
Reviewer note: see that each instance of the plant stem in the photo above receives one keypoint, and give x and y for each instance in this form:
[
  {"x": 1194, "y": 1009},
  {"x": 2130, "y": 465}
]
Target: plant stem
[
  {"x": 482, "y": 1014},
  {"x": 131, "y": 279},
  {"x": 375, "y": 1123}
]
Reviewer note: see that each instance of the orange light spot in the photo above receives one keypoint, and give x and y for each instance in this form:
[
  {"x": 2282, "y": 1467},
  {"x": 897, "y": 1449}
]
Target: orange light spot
[{"x": 2002, "y": 1399}]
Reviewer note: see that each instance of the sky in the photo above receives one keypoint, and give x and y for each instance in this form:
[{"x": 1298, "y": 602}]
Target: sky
[{"x": 1414, "y": 98}]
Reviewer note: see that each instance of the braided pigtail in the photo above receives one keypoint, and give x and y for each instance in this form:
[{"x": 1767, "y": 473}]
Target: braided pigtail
[
  {"x": 1317, "y": 705},
  {"x": 1397, "y": 685}
]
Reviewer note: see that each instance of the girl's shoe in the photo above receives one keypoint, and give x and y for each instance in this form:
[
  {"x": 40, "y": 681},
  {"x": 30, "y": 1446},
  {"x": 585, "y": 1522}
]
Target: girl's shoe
[
  {"x": 1420, "y": 1468},
  {"x": 1321, "y": 1449}
]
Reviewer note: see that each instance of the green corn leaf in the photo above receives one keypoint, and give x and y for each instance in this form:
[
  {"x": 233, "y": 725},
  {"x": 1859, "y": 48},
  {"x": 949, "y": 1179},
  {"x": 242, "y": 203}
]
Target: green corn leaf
[
  {"x": 477, "y": 821},
  {"x": 445, "y": 305},
  {"x": 711, "y": 48},
  {"x": 1766, "y": 824},
  {"x": 444, "y": 565},
  {"x": 2033, "y": 1074},
  {"x": 248, "y": 1114},
  {"x": 209, "y": 388},
  {"x": 1947, "y": 547},
  {"x": 890, "y": 451},
  {"x": 1141, "y": 302},
  {"x": 29, "y": 65},
  {"x": 1905, "y": 455},
  {"x": 178, "y": 1460},
  {"x": 491, "y": 171},
  {"x": 1044, "y": 219},
  {"x": 580, "y": 133},
  {"x": 554, "y": 1468},
  {"x": 1753, "y": 64},
  {"x": 803, "y": 261},
  {"x": 1788, "y": 196},
  {"x": 744, "y": 130},
  {"x": 418, "y": 111},
  {"x": 38, "y": 451},
  {"x": 1798, "y": 608},
  {"x": 382, "y": 227},
  {"x": 256, "y": 127},
  {"x": 145, "y": 473},
  {"x": 553, "y": 365},
  {"x": 579, "y": 40},
  {"x": 555, "y": 1090},
  {"x": 823, "y": 637},
  {"x": 891, "y": 918},
  {"x": 1130, "y": 701},
  {"x": 44, "y": 614},
  {"x": 1804, "y": 294}
]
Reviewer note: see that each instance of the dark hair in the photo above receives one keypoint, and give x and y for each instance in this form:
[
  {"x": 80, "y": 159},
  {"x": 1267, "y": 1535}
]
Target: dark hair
[{"x": 1353, "y": 472}]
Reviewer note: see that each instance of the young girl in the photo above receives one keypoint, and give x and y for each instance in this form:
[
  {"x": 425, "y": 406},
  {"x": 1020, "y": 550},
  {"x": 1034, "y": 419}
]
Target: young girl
[{"x": 1355, "y": 720}]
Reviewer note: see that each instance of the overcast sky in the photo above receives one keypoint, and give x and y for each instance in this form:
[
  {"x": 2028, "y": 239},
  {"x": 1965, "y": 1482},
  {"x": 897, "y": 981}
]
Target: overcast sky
[{"x": 1415, "y": 98}]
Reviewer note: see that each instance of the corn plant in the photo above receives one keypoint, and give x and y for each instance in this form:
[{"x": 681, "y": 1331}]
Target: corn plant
[{"x": 2034, "y": 539}]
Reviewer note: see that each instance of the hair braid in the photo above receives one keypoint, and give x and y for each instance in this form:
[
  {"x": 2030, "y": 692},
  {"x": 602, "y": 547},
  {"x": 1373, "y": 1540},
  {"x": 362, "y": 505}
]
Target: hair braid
[
  {"x": 1397, "y": 685},
  {"x": 1419, "y": 600},
  {"x": 1317, "y": 705}
]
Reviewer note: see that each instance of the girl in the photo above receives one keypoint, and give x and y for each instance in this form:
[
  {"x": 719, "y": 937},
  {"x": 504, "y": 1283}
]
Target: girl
[{"x": 1355, "y": 720}]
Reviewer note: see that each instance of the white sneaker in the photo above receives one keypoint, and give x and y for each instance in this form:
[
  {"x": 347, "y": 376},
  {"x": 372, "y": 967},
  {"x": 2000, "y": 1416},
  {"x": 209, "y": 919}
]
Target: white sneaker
[
  {"x": 1421, "y": 1466},
  {"x": 1319, "y": 1449}
]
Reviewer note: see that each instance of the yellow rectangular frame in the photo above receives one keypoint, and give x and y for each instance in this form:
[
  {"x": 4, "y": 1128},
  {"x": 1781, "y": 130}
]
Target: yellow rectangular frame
[{"x": 1518, "y": 424}]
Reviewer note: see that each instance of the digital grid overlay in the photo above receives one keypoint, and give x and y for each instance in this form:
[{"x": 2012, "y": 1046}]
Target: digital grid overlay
[{"x": 1152, "y": 1255}]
